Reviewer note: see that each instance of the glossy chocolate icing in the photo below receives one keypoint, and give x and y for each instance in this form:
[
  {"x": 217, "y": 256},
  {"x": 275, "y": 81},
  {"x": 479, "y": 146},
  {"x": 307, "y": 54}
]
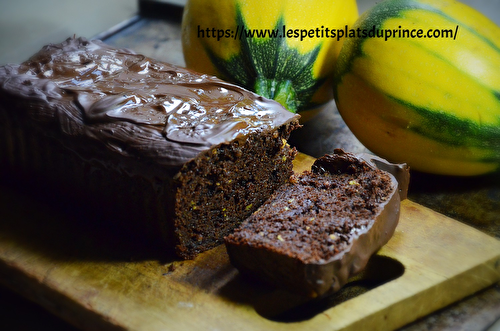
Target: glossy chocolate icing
[{"x": 134, "y": 105}]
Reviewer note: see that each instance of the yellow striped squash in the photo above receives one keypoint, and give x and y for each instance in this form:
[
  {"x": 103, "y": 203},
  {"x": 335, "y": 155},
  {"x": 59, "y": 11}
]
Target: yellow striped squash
[
  {"x": 433, "y": 101},
  {"x": 293, "y": 70}
]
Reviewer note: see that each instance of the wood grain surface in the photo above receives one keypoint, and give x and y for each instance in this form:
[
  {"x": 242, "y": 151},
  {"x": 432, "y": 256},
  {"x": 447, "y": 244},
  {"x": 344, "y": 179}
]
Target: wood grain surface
[{"x": 100, "y": 279}]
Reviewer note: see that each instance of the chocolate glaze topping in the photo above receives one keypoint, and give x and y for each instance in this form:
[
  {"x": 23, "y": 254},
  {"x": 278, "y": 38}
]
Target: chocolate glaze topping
[{"x": 134, "y": 105}]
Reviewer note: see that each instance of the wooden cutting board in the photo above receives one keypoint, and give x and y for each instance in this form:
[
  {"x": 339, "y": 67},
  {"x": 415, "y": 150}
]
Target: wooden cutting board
[{"x": 97, "y": 280}]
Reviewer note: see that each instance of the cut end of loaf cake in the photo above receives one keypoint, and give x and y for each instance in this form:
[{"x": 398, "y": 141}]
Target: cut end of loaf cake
[
  {"x": 219, "y": 190},
  {"x": 319, "y": 228}
]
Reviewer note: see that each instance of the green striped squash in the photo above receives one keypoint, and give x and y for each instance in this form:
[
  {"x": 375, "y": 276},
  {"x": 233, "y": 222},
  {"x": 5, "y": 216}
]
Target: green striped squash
[
  {"x": 232, "y": 40},
  {"x": 432, "y": 102}
]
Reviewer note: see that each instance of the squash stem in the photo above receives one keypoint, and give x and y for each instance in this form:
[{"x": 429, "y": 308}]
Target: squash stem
[{"x": 280, "y": 91}]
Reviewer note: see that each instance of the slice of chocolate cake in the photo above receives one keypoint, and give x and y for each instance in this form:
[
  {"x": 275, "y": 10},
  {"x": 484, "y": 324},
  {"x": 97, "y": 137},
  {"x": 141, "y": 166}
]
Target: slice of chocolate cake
[
  {"x": 156, "y": 147},
  {"x": 321, "y": 227}
]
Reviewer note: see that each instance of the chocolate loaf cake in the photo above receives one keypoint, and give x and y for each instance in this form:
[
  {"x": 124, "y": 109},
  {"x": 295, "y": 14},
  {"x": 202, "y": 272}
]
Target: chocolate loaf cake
[
  {"x": 181, "y": 154},
  {"x": 321, "y": 227}
]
